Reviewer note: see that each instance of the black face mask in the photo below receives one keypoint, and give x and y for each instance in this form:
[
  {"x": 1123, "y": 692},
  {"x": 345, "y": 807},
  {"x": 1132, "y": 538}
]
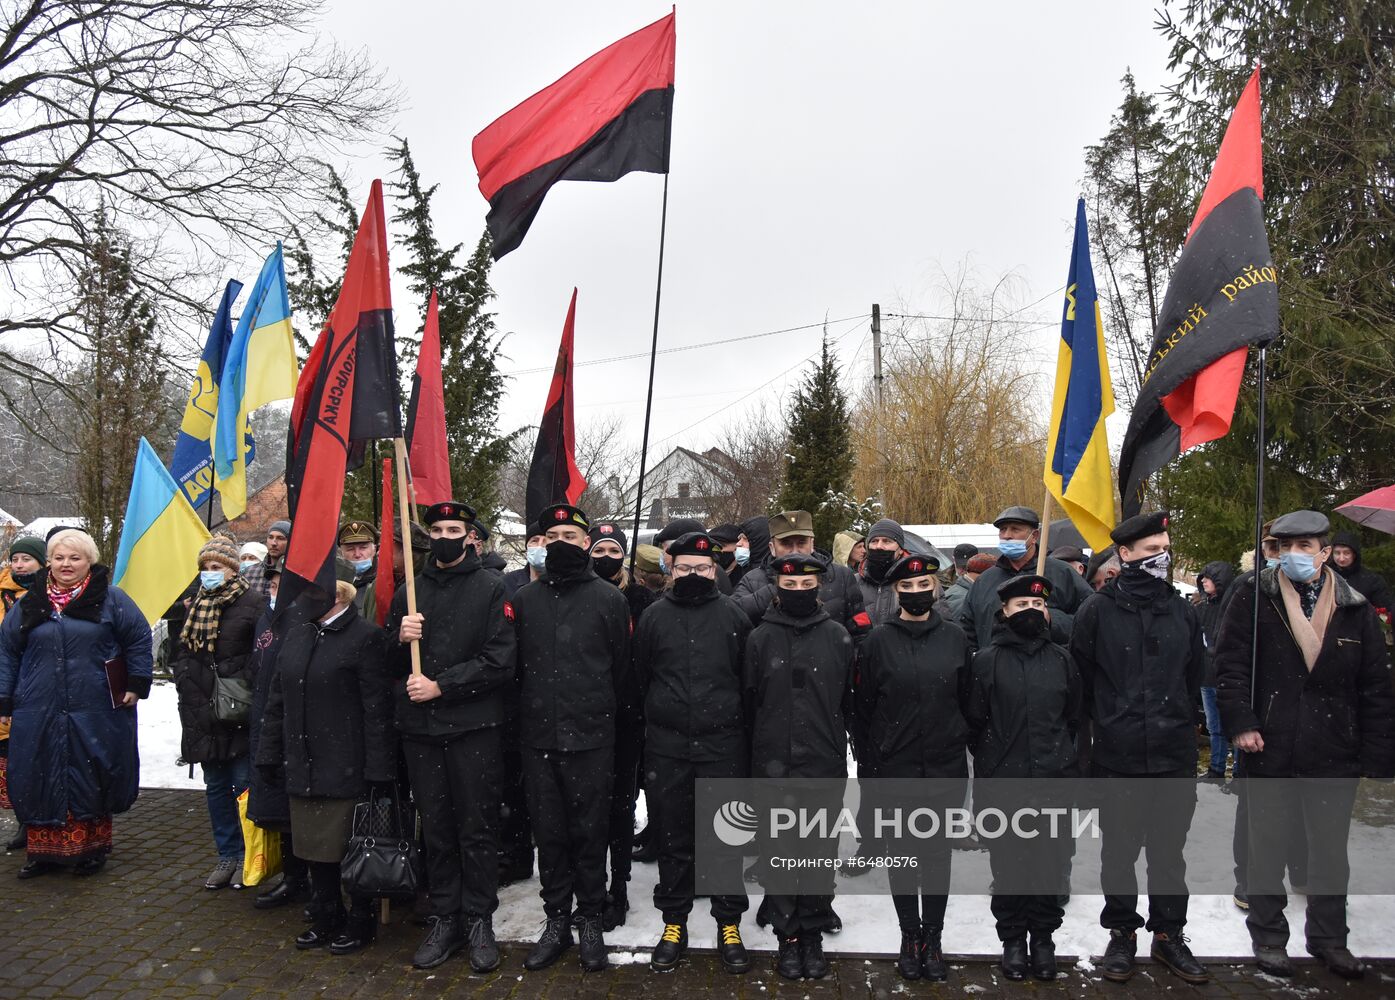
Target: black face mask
[
  {"x": 916, "y": 602},
  {"x": 798, "y": 603},
  {"x": 25, "y": 580},
  {"x": 1029, "y": 624},
  {"x": 725, "y": 559},
  {"x": 447, "y": 550},
  {"x": 878, "y": 562},
  {"x": 692, "y": 587},
  {"x": 564, "y": 558},
  {"x": 607, "y": 567}
]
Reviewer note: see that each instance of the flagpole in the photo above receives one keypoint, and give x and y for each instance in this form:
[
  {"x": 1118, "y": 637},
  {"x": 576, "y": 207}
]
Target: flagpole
[
  {"x": 653, "y": 357},
  {"x": 1259, "y": 528},
  {"x": 1045, "y": 533},
  {"x": 377, "y": 504},
  {"x": 400, "y": 448}
]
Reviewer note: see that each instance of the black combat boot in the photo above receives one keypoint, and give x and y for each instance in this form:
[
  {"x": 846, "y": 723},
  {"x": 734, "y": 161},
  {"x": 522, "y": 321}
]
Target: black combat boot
[
  {"x": 908, "y": 958},
  {"x": 1043, "y": 957},
  {"x": 483, "y": 948},
  {"x": 1014, "y": 961},
  {"x": 932, "y": 957},
  {"x": 731, "y": 949},
  {"x": 787, "y": 960},
  {"x": 672, "y": 944},
  {"x": 591, "y": 945},
  {"x": 1117, "y": 964},
  {"x": 811, "y": 954},
  {"x": 441, "y": 942},
  {"x": 1172, "y": 951},
  {"x": 555, "y": 939}
]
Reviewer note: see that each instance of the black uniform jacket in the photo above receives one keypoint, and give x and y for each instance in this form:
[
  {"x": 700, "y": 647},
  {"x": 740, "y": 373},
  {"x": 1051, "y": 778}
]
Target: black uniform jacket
[
  {"x": 573, "y": 661},
  {"x": 981, "y": 606},
  {"x": 467, "y": 647},
  {"x": 839, "y": 592},
  {"x": 799, "y": 695},
  {"x": 1023, "y": 708},
  {"x": 911, "y": 680},
  {"x": 688, "y": 657}
]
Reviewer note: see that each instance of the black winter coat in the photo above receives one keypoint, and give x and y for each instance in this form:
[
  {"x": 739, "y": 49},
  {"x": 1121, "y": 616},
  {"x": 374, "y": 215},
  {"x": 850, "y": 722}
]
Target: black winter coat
[
  {"x": 838, "y": 591},
  {"x": 573, "y": 661},
  {"x": 911, "y": 681},
  {"x": 799, "y": 696},
  {"x": 205, "y": 740},
  {"x": 267, "y": 805},
  {"x": 981, "y": 606},
  {"x": 328, "y": 719},
  {"x": 1209, "y": 611},
  {"x": 1368, "y": 584},
  {"x": 515, "y": 579},
  {"x": 689, "y": 664},
  {"x": 1140, "y": 666},
  {"x": 1337, "y": 721},
  {"x": 878, "y": 599},
  {"x": 1023, "y": 708},
  {"x": 467, "y": 647}
]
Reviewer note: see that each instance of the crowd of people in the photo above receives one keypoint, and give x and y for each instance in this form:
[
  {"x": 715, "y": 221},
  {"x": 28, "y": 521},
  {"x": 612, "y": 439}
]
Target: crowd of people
[{"x": 521, "y": 712}]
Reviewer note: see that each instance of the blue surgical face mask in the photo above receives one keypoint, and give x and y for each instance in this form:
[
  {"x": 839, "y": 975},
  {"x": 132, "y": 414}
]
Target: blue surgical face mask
[
  {"x": 1013, "y": 548},
  {"x": 1270, "y": 563},
  {"x": 743, "y": 555},
  {"x": 663, "y": 563},
  {"x": 271, "y": 602},
  {"x": 1299, "y": 567},
  {"x": 212, "y": 579},
  {"x": 362, "y": 565},
  {"x": 537, "y": 557}
]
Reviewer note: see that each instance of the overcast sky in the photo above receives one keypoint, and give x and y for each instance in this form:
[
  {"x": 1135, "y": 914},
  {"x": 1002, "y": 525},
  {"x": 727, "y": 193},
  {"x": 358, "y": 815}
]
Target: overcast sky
[{"x": 825, "y": 156}]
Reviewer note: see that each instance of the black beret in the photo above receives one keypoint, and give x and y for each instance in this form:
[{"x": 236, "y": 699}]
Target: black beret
[
  {"x": 676, "y": 529},
  {"x": 450, "y": 510},
  {"x": 609, "y": 531},
  {"x": 796, "y": 565},
  {"x": 727, "y": 534},
  {"x": 1301, "y": 524},
  {"x": 694, "y": 543},
  {"x": 912, "y": 565},
  {"x": 1141, "y": 526},
  {"x": 563, "y": 513},
  {"x": 1018, "y": 515},
  {"x": 1025, "y": 585},
  {"x": 963, "y": 551},
  {"x": 481, "y": 529}
]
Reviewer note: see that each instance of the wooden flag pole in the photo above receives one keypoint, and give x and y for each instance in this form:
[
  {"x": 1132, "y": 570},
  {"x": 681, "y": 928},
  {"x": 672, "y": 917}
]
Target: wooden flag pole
[
  {"x": 1045, "y": 534},
  {"x": 400, "y": 447}
]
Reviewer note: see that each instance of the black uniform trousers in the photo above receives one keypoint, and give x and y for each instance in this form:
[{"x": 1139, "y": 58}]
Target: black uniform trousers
[
  {"x": 629, "y": 751},
  {"x": 456, "y": 789},
  {"x": 801, "y": 901},
  {"x": 515, "y": 836},
  {"x": 1321, "y": 807},
  {"x": 919, "y": 894},
  {"x": 1140, "y": 812},
  {"x": 670, "y": 791},
  {"x": 1240, "y": 841},
  {"x": 1021, "y": 868},
  {"x": 569, "y": 805}
]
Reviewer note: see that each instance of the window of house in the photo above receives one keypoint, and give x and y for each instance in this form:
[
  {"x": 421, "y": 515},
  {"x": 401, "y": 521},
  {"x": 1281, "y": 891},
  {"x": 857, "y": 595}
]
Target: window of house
[{"x": 684, "y": 489}]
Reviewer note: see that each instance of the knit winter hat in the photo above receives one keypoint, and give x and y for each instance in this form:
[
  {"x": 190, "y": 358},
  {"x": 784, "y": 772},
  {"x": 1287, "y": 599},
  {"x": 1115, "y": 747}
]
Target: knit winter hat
[
  {"x": 31, "y": 545},
  {"x": 222, "y": 550},
  {"x": 887, "y": 528}
]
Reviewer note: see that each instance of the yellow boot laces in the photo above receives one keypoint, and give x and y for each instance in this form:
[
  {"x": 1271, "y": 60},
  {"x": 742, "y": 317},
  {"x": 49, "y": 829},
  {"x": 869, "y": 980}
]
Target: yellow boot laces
[
  {"x": 731, "y": 934},
  {"x": 673, "y": 933}
]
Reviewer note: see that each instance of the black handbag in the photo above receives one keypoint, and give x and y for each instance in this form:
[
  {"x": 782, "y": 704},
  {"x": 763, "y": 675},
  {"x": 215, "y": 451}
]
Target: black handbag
[
  {"x": 232, "y": 700},
  {"x": 382, "y": 859}
]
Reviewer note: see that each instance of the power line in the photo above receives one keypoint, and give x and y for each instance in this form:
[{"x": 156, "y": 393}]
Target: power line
[{"x": 689, "y": 347}]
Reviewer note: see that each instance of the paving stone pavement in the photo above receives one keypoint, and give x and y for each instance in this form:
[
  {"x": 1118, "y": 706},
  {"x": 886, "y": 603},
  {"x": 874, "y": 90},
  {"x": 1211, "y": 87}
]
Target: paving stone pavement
[{"x": 144, "y": 927}]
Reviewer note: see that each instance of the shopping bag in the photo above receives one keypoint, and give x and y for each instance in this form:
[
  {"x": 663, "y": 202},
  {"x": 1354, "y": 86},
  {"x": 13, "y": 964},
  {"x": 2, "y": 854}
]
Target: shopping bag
[{"x": 261, "y": 849}]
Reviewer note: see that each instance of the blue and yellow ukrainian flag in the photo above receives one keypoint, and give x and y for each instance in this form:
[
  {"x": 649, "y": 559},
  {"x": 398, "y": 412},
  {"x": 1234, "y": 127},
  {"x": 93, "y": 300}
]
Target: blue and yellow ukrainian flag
[
  {"x": 192, "y": 464},
  {"x": 1077, "y": 471},
  {"x": 260, "y": 368},
  {"x": 161, "y": 531}
]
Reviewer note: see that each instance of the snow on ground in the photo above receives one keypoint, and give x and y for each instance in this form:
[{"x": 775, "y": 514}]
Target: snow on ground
[{"x": 1215, "y": 928}]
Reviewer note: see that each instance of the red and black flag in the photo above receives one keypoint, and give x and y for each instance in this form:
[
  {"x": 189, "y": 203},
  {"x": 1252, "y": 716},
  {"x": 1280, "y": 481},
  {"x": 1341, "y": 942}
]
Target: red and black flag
[
  {"x": 426, "y": 418},
  {"x": 605, "y": 118},
  {"x": 1222, "y": 300},
  {"x": 352, "y": 398},
  {"x": 553, "y": 476},
  {"x": 387, "y": 558}
]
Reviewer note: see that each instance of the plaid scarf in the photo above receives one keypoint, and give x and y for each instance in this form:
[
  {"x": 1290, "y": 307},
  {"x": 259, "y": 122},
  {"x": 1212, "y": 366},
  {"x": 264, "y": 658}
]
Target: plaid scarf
[
  {"x": 61, "y": 597},
  {"x": 201, "y": 627}
]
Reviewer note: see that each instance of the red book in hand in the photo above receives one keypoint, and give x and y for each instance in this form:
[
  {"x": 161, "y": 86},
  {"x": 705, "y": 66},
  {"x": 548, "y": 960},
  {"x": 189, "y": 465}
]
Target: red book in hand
[{"x": 116, "y": 680}]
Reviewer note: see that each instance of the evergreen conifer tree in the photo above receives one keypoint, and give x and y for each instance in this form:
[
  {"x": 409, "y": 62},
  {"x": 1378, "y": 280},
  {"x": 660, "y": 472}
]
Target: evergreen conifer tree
[{"x": 819, "y": 459}]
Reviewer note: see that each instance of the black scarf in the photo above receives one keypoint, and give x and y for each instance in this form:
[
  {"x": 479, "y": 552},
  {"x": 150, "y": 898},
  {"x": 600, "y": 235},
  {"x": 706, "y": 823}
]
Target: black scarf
[{"x": 36, "y": 608}]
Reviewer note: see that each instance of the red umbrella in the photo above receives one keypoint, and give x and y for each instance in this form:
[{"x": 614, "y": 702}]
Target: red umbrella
[{"x": 1374, "y": 510}]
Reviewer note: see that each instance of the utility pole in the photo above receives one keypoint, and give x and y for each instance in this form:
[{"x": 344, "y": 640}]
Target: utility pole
[{"x": 877, "y": 397}]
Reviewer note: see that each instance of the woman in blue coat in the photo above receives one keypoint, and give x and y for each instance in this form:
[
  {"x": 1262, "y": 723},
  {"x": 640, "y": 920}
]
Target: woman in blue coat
[{"x": 73, "y": 760}]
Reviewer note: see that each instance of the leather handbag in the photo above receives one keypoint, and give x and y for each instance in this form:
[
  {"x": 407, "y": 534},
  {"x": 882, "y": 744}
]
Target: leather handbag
[
  {"x": 232, "y": 700},
  {"x": 382, "y": 859}
]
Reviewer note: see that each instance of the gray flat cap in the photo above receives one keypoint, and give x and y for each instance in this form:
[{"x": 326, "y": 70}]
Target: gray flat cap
[
  {"x": 1301, "y": 524},
  {"x": 1020, "y": 515}
]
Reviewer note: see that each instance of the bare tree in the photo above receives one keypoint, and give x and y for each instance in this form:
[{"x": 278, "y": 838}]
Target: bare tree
[
  {"x": 606, "y": 459},
  {"x": 748, "y": 482},
  {"x": 959, "y": 434},
  {"x": 189, "y": 122}
]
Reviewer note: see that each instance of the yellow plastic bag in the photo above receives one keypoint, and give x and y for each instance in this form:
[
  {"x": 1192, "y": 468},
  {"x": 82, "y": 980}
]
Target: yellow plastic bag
[{"x": 261, "y": 849}]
